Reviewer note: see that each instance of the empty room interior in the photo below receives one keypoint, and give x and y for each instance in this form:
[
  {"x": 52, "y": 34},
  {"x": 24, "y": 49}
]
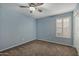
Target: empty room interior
[{"x": 39, "y": 29}]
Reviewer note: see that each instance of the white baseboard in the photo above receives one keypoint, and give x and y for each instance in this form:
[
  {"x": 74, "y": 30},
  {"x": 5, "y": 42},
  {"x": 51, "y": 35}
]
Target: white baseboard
[
  {"x": 55, "y": 42},
  {"x": 16, "y": 45}
]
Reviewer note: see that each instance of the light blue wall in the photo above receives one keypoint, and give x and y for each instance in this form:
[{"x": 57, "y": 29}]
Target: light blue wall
[
  {"x": 46, "y": 29},
  {"x": 76, "y": 27},
  {"x": 15, "y": 28}
]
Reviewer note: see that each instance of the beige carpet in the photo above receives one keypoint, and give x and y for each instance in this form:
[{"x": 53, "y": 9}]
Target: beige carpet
[{"x": 40, "y": 48}]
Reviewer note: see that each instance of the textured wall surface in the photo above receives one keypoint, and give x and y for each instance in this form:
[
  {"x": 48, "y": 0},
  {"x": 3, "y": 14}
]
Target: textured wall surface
[{"x": 15, "y": 28}]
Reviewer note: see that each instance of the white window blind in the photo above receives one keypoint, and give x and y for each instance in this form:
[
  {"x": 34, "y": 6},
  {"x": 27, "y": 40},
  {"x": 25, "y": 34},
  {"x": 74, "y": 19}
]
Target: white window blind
[{"x": 63, "y": 27}]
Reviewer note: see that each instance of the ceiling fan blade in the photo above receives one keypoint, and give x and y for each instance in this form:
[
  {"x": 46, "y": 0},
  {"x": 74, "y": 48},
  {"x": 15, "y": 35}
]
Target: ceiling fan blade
[
  {"x": 39, "y": 10},
  {"x": 35, "y": 4},
  {"x": 24, "y": 6}
]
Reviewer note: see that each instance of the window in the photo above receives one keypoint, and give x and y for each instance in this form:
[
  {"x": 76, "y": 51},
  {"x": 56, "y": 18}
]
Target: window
[{"x": 63, "y": 27}]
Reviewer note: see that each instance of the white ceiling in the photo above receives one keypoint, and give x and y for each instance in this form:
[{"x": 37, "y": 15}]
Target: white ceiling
[
  {"x": 48, "y": 9},
  {"x": 53, "y": 9}
]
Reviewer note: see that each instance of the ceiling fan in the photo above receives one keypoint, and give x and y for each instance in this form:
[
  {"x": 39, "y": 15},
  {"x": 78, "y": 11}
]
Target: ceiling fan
[{"x": 32, "y": 6}]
